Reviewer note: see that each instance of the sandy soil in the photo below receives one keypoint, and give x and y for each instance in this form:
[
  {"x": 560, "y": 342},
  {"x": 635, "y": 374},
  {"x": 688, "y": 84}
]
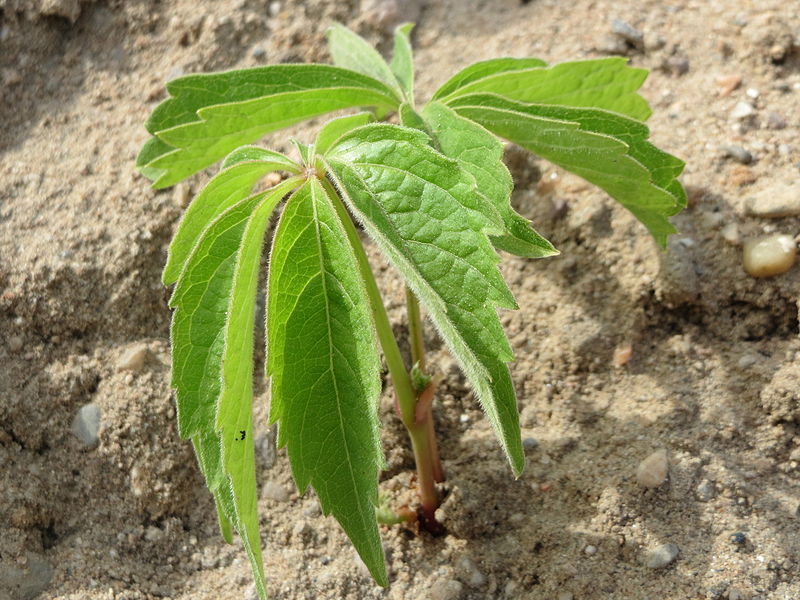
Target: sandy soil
[{"x": 713, "y": 375}]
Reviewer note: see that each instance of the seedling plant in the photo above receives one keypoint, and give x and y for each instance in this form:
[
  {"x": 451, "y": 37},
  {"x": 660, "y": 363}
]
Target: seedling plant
[{"x": 433, "y": 195}]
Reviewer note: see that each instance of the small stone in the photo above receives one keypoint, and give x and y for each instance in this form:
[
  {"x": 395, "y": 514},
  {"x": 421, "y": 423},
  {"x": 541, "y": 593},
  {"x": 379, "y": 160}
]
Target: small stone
[
  {"x": 590, "y": 550},
  {"x": 747, "y": 361},
  {"x": 153, "y": 534},
  {"x": 529, "y": 443},
  {"x": 622, "y": 355},
  {"x": 728, "y": 84},
  {"x": 775, "y": 202},
  {"x": 738, "y": 538},
  {"x": 134, "y": 358},
  {"x": 769, "y": 255},
  {"x": 652, "y": 471},
  {"x": 775, "y": 121},
  {"x": 67, "y": 9},
  {"x": 737, "y": 153},
  {"x": 662, "y": 556},
  {"x": 705, "y": 491},
  {"x": 275, "y": 491},
  {"x": 181, "y": 195},
  {"x": 86, "y": 424},
  {"x": 742, "y": 110},
  {"x": 627, "y": 32},
  {"x": 274, "y": 9},
  {"x": 678, "y": 65},
  {"x": 752, "y": 93},
  {"x": 445, "y": 589},
  {"x": 15, "y": 343},
  {"x": 258, "y": 52},
  {"x": 730, "y": 233},
  {"x": 471, "y": 574}
]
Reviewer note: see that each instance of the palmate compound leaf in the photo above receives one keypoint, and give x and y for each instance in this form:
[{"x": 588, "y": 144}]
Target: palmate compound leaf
[
  {"x": 210, "y": 115},
  {"x": 324, "y": 368},
  {"x": 212, "y": 367},
  {"x": 480, "y": 153},
  {"x": 429, "y": 219},
  {"x": 607, "y": 83},
  {"x": 605, "y": 148}
]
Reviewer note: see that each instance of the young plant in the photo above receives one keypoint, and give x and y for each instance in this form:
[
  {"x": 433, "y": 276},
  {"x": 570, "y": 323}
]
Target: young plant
[{"x": 434, "y": 196}]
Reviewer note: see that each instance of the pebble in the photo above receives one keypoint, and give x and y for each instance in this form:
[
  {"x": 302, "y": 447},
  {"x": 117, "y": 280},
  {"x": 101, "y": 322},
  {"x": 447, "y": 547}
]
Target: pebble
[
  {"x": 27, "y": 581},
  {"x": 445, "y": 589},
  {"x": 775, "y": 120},
  {"x": 15, "y": 343},
  {"x": 730, "y": 233},
  {"x": 181, "y": 195},
  {"x": 258, "y": 52},
  {"x": 742, "y": 110},
  {"x": 769, "y": 255},
  {"x": 275, "y": 491},
  {"x": 627, "y": 32},
  {"x": 529, "y": 443},
  {"x": 86, "y": 424},
  {"x": 662, "y": 556},
  {"x": 738, "y": 538},
  {"x": 134, "y": 358},
  {"x": 590, "y": 550},
  {"x": 705, "y": 491},
  {"x": 775, "y": 202},
  {"x": 728, "y": 84},
  {"x": 678, "y": 65},
  {"x": 737, "y": 153},
  {"x": 471, "y": 574},
  {"x": 153, "y": 534},
  {"x": 274, "y": 9},
  {"x": 652, "y": 471},
  {"x": 747, "y": 361}
]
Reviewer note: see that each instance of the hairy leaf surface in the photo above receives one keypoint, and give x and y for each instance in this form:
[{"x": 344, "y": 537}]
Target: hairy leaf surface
[
  {"x": 604, "y": 148},
  {"x": 240, "y": 172},
  {"x": 324, "y": 368},
  {"x": 431, "y": 222},
  {"x": 336, "y": 128},
  {"x": 350, "y": 51},
  {"x": 212, "y": 368},
  {"x": 210, "y": 115},
  {"x": 607, "y": 83},
  {"x": 483, "y": 69},
  {"x": 402, "y": 64},
  {"x": 480, "y": 153}
]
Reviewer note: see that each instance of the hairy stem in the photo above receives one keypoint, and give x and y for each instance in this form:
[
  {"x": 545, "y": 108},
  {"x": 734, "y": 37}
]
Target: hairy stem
[
  {"x": 404, "y": 390},
  {"x": 424, "y": 416}
]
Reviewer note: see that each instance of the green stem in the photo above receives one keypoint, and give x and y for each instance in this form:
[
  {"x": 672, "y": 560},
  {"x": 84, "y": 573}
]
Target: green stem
[{"x": 406, "y": 397}]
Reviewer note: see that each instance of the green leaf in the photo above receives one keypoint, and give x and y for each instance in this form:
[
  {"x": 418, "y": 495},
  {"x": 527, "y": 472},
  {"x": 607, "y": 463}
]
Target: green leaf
[
  {"x": 336, "y": 128},
  {"x": 217, "y": 286},
  {"x": 604, "y": 148},
  {"x": 599, "y": 83},
  {"x": 350, "y": 51},
  {"x": 402, "y": 64},
  {"x": 210, "y": 115},
  {"x": 428, "y": 218},
  {"x": 480, "y": 153},
  {"x": 483, "y": 69},
  {"x": 324, "y": 368},
  {"x": 241, "y": 170}
]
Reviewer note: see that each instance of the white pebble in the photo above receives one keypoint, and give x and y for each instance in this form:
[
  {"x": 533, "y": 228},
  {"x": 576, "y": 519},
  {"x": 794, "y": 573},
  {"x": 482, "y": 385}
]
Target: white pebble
[
  {"x": 590, "y": 550},
  {"x": 86, "y": 424},
  {"x": 274, "y": 491},
  {"x": 134, "y": 358},
  {"x": 730, "y": 233},
  {"x": 769, "y": 255},
  {"x": 742, "y": 110},
  {"x": 445, "y": 589},
  {"x": 652, "y": 471}
]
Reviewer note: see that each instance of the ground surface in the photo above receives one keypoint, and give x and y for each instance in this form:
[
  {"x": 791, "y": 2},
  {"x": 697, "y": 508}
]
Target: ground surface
[{"x": 713, "y": 375}]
